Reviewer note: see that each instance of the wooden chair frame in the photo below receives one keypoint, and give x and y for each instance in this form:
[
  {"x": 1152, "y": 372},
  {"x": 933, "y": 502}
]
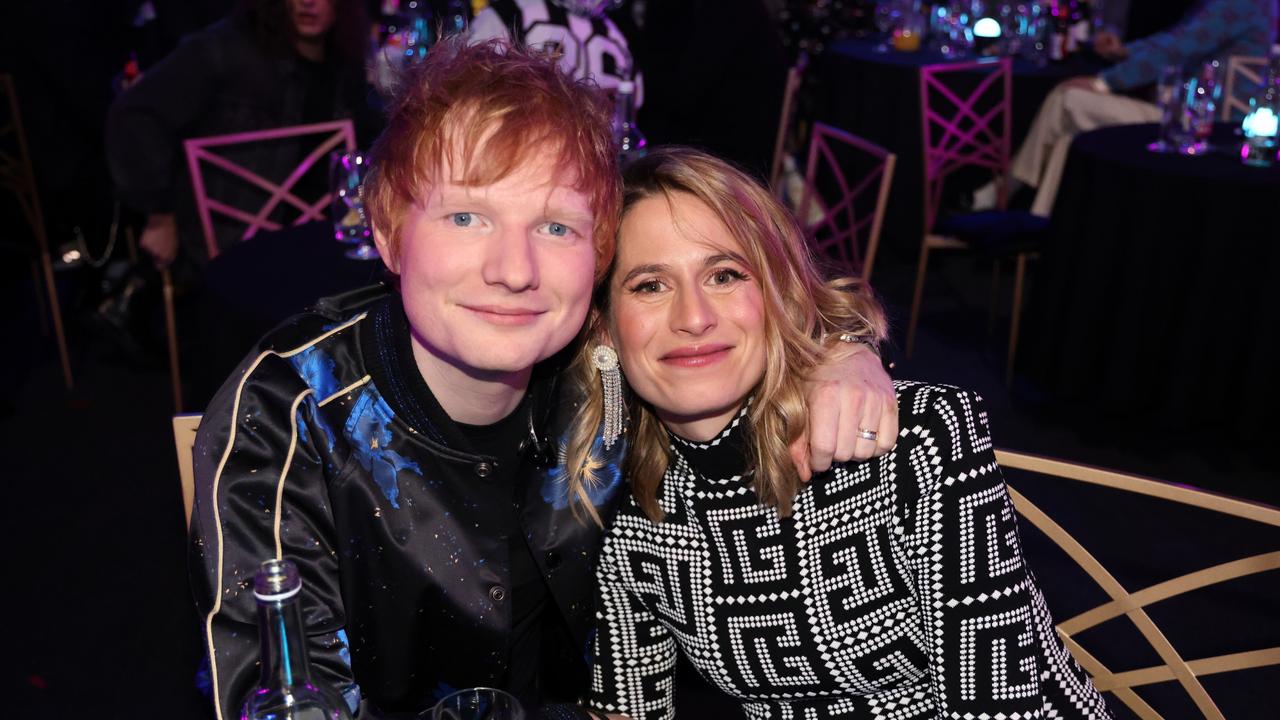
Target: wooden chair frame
[
  {"x": 184, "y": 441},
  {"x": 840, "y": 228},
  {"x": 1132, "y": 604},
  {"x": 201, "y": 152},
  {"x": 795, "y": 78},
  {"x": 17, "y": 175},
  {"x": 969, "y": 138},
  {"x": 1248, "y": 67}
]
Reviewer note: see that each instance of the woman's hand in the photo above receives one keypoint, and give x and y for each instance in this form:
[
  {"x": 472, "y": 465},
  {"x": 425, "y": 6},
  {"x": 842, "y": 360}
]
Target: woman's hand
[{"x": 848, "y": 393}]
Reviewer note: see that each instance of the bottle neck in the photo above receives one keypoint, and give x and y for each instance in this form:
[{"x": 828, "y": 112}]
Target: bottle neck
[
  {"x": 624, "y": 108},
  {"x": 284, "y": 650}
]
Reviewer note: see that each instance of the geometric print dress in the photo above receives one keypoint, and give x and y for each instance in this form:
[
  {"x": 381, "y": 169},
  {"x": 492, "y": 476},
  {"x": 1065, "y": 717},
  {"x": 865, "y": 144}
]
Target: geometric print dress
[{"x": 895, "y": 590}]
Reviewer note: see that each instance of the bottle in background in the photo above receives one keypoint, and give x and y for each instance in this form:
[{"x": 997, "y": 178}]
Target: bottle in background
[
  {"x": 1061, "y": 34},
  {"x": 627, "y": 137},
  {"x": 1081, "y": 24},
  {"x": 286, "y": 690}
]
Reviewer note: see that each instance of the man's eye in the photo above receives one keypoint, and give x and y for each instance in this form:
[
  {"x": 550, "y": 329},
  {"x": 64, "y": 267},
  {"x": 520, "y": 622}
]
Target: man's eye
[
  {"x": 462, "y": 219},
  {"x": 557, "y": 229}
]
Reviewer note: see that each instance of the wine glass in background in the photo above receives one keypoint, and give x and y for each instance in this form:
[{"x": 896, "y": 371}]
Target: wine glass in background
[
  {"x": 1170, "y": 98},
  {"x": 478, "y": 704},
  {"x": 887, "y": 14},
  {"x": 1202, "y": 98},
  {"x": 347, "y": 172}
]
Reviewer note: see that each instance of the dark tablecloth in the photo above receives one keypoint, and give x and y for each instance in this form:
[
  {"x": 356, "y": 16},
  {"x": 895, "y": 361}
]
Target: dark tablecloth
[
  {"x": 1156, "y": 293},
  {"x": 877, "y": 96},
  {"x": 254, "y": 286}
]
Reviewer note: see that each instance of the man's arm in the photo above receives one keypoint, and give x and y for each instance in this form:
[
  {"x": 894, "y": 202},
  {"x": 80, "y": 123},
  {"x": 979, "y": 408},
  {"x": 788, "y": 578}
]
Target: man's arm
[
  {"x": 850, "y": 397},
  {"x": 1208, "y": 29},
  {"x": 261, "y": 492}
]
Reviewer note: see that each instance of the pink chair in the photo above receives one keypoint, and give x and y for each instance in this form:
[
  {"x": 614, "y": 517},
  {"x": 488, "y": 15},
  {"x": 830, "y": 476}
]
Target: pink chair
[
  {"x": 203, "y": 153},
  {"x": 965, "y": 128},
  {"x": 851, "y": 217},
  {"x": 17, "y": 176}
]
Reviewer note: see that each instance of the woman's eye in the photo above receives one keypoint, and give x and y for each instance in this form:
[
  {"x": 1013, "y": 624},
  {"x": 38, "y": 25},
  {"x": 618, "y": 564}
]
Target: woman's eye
[
  {"x": 724, "y": 276},
  {"x": 462, "y": 219}
]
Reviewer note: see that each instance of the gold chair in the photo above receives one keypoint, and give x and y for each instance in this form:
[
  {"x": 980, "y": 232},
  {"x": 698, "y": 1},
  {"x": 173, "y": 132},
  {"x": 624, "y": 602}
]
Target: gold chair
[
  {"x": 1133, "y": 604},
  {"x": 1240, "y": 66},
  {"x": 16, "y": 174},
  {"x": 184, "y": 441},
  {"x": 208, "y": 153},
  {"x": 795, "y": 77},
  {"x": 844, "y": 225}
]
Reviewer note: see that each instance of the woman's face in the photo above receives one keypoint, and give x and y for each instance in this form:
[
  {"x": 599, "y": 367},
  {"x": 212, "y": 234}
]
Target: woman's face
[{"x": 687, "y": 316}]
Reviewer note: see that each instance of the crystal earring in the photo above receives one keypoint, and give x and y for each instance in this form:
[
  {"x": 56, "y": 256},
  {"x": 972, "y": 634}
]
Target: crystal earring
[{"x": 606, "y": 361}]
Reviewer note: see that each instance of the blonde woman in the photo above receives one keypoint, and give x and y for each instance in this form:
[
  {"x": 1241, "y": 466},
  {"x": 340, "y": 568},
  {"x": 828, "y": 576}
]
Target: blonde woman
[{"x": 891, "y": 588}]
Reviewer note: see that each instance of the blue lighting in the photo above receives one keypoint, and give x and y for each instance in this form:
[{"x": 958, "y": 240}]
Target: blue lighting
[{"x": 986, "y": 28}]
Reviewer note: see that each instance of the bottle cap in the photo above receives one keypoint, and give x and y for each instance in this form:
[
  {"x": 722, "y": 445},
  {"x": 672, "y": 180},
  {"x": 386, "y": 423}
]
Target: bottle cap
[{"x": 276, "y": 580}]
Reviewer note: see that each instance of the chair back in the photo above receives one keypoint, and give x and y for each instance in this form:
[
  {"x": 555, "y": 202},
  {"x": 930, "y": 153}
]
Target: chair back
[
  {"x": 851, "y": 213},
  {"x": 1182, "y": 528},
  {"x": 208, "y": 152},
  {"x": 964, "y": 125},
  {"x": 1235, "y": 98},
  {"x": 18, "y": 176},
  {"x": 184, "y": 441},
  {"x": 795, "y": 78}
]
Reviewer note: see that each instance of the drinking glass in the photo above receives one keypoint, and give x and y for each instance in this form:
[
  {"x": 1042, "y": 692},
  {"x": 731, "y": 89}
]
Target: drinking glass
[
  {"x": 1202, "y": 105},
  {"x": 478, "y": 704},
  {"x": 1169, "y": 98},
  {"x": 886, "y": 20},
  {"x": 347, "y": 171}
]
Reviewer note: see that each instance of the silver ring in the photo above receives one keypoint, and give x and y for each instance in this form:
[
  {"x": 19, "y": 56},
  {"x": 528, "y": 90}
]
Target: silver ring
[{"x": 868, "y": 434}]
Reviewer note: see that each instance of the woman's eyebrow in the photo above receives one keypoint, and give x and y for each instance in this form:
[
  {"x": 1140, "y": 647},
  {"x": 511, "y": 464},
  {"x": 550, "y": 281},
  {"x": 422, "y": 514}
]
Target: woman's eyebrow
[{"x": 644, "y": 270}]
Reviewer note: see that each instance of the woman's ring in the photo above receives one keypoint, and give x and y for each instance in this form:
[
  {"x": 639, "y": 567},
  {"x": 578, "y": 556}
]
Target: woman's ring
[{"x": 867, "y": 434}]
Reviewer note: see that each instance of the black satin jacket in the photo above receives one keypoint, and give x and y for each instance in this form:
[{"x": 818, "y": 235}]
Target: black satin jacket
[{"x": 314, "y": 450}]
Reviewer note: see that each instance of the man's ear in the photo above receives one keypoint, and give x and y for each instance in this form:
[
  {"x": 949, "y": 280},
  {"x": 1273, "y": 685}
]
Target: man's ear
[{"x": 389, "y": 258}]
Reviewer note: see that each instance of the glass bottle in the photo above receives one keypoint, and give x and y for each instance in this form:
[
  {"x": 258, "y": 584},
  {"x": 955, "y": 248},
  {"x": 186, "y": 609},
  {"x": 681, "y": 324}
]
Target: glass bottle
[
  {"x": 626, "y": 136},
  {"x": 286, "y": 690},
  {"x": 1262, "y": 123}
]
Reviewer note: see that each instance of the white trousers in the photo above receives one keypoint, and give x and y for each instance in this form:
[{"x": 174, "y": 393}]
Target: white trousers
[{"x": 1064, "y": 114}]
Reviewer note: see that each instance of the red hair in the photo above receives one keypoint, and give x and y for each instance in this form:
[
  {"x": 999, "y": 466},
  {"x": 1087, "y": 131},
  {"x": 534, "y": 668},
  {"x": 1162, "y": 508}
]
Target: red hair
[{"x": 487, "y": 109}]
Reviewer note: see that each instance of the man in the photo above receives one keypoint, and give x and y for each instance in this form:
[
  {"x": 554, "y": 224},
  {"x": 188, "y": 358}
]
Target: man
[
  {"x": 272, "y": 63},
  {"x": 1212, "y": 29},
  {"x": 401, "y": 446}
]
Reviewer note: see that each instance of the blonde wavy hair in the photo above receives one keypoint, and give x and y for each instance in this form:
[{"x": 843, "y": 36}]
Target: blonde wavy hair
[{"x": 800, "y": 308}]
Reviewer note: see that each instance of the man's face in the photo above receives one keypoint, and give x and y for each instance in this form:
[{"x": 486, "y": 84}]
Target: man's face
[
  {"x": 311, "y": 18},
  {"x": 496, "y": 278}
]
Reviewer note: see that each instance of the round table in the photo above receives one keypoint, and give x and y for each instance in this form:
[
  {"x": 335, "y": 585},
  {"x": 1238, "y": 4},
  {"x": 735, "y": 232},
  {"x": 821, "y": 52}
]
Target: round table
[
  {"x": 1155, "y": 294},
  {"x": 251, "y": 287},
  {"x": 876, "y": 95}
]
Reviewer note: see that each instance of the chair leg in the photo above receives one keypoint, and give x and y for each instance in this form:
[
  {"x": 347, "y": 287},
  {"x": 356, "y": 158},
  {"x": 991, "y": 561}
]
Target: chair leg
[
  {"x": 1019, "y": 277},
  {"x": 171, "y": 329},
  {"x": 916, "y": 298},
  {"x": 55, "y": 311},
  {"x": 995, "y": 297}
]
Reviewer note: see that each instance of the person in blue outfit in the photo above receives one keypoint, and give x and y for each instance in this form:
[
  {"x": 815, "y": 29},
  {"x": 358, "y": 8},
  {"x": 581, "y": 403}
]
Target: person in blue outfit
[
  {"x": 1211, "y": 30},
  {"x": 403, "y": 444}
]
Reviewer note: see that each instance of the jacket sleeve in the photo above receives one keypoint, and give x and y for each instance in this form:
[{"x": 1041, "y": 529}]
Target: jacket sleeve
[
  {"x": 146, "y": 123},
  {"x": 1207, "y": 30},
  {"x": 633, "y": 672},
  {"x": 991, "y": 643},
  {"x": 263, "y": 461}
]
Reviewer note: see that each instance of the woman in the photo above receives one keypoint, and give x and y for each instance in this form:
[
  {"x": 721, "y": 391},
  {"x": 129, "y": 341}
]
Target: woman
[{"x": 893, "y": 588}]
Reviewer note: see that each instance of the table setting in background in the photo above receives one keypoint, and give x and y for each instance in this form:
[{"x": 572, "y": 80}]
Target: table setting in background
[{"x": 870, "y": 86}]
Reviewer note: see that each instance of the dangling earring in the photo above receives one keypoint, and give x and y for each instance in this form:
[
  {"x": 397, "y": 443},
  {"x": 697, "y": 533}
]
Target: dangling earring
[{"x": 606, "y": 361}]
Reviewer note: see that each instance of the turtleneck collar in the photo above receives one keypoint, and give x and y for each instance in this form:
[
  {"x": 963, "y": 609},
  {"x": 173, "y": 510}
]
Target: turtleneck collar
[{"x": 723, "y": 456}]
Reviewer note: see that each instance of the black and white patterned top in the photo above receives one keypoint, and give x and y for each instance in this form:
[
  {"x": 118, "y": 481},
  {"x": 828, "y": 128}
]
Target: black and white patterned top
[{"x": 897, "y": 588}]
